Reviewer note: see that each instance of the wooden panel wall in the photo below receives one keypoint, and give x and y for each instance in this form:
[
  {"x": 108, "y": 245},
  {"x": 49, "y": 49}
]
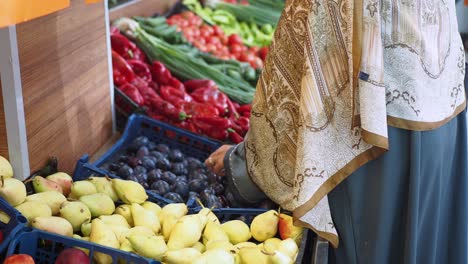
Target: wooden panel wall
[
  {"x": 3, "y": 136},
  {"x": 64, "y": 72}
]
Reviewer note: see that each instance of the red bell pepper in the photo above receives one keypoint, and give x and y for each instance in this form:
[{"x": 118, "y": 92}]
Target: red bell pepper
[
  {"x": 263, "y": 52},
  {"x": 188, "y": 125},
  {"x": 207, "y": 124},
  {"x": 141, "y": 69},
  {"x": 197, "y": 109},
  {"x": 160, "y": 73},
  {"x": 132, "y": 92},
  {"x": 144, "y": 88},
  {"x": 244, "y": 123},
  {"x": 212, "y": 96},
  {"x": 231, "y": 109},
  {"x": 245, "y": 108},
  {"x": 174, "y": 96},
  {"x": 162, "y": 107},
  {"x": 218, "y": 134},
  {"x": 125, "y": 48},
  {"x": 193, "y": 85},
  {"x": 234, "y": 137},
  {"x": 122, "y": 71},
  {"x": 176, "y": 84}
]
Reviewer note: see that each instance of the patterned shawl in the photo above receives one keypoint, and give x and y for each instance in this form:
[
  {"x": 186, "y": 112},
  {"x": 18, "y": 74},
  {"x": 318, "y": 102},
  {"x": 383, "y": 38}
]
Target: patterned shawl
[{"x": 338, "y": 73}]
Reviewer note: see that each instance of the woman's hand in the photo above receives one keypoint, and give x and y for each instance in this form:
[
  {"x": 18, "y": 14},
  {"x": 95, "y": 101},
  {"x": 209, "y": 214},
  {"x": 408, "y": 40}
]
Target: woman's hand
[{"x": 216, "y": 160}]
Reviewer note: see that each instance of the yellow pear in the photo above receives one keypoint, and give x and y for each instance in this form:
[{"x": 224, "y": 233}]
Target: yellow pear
[
  {"x": 121, "y": 232},
  {"x": 176, "y": 209},
  {"x": 220, "y": 244},
  {"x": 237, "y": 231},
  {"x": 85, "y": 250},
  {"x": 5, "y": 168},
  {"x": 13, "y": 191},
  {"x": 280, "y": 258},
  {"x": 210, "y": 215},
  {"x": 288, "y": 247},
  {"x": 86, "y": 229},
  {"x": 82, "y": 188},
  {"x": 64, "y": 180},
  {"x": 41, "y": 184},
  {"x": 152, "y": 207},
  {"x": 142, "y": 217},
  {"x": 149, "y": 246},
  {"x": 53, "y": 224},
  {"x": 103, "y": 235},
  {"x": 115, "y": 219},
  {"x": 271, "y": 244},
  {"x": 52, "y": 199},
  {"x": 125, "y": 210},
  {"x": 4, "y": 218},
  {"x": 141, "y": 230},
  {"x": 129, "y": 191},
  {"x": 264, "y": 226},
  {"x": 245, "y": 244},
  {"x": 104, "y": 185},
  {"x": 186, "y": 232},
  {"x": 76, "y": 213},
  {"x": 249, "y": 255},
  {"x": 98, "y": 204},
  {"x": 199, "y": 246},
  {"x": 213, "y": 231},
  {"x": 126, "y": 246},
  {"x": 215, "y": 256},
  {"x": 33, "y": 209},
  {"x": 181, "y": 256}
]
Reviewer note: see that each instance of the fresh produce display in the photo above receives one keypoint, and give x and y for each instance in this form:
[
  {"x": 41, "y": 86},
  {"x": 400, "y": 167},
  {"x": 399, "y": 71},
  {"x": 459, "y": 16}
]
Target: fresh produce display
[
  {"x": 195, "y": 105},
  {"x": 181, "y": 60},
  {"x": 254, "y": 23},
  {"x": 19, "y": 259},
  {"x": 212, "y": 39}
]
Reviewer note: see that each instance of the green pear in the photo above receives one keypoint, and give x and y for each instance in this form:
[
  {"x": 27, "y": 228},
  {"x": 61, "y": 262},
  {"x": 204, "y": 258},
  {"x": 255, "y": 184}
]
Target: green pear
[
  {"x": 99, "y": 204},
  {"x": 210, "y": 215},
  {"x": 212, "y": 232},
  {"x": 115, "y": 219},
  {"x": 33, "y": 209},
  {"x": 86, "y": 229},
  {"x": 104, "y": 185},
  {"x": 264, "y": 226},
  {"x": 152, "y": 207},
  {"x": 288, "y": 247},
  {"x": 129, "y": 191},
  {"x": 271, "y": 244},
  {"x": 41, "y": 184},
  {"x": 280, "y": 258},
  {"x": 126, "y": 246},
  {"x": 53, "y": 224},
  {"x": 64, "y": 180},
  {"x": 140, "y": 230},
  {"x": 186, "y": 232},
  {"x": 76, "y": 213},
  {"x": 237, "y": 231},
  {"x": 103, "y": 235},
  {"x": 142, "y": 217},
  {"x": 149, "y": 246},
  {"x": 220, "y": 244},
  {"x": 13, "y": 191},
  {"x": 250, "y": 255},
  {"x": 82, "y": 188},
  {"x": 215, "y": 256},
  {"x": 52, "y": 199},
  {"x": 245, "y": 244},
  {"x": 5, "y": 168},
  {"x": 181, "y": 256},
  {"x": 176, "y": 209},
  {"x": 4, "y": 217},
  {"x": 199, "y": 246},
  {"x": 85, "y": 250},
  {"x": 125, "y": 210}
]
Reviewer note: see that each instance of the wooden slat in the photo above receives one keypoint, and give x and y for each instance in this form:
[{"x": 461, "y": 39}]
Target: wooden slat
[
  {"x": 140, "y": 8},
  {"x": 3, "y": 135},
  {"x": 64, "y": 70}
]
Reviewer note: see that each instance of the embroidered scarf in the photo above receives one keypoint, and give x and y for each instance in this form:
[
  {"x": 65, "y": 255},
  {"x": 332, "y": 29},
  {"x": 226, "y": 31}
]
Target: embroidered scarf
[{"x": 338, "y": 74}]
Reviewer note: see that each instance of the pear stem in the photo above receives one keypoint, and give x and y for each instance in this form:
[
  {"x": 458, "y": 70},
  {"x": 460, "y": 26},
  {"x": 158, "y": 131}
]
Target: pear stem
[{"x": 199, "y": 202}]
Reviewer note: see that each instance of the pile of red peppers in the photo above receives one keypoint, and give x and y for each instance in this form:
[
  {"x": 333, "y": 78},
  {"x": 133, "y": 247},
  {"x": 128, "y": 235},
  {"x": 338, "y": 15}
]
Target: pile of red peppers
[{"x": 195, "y": 105}]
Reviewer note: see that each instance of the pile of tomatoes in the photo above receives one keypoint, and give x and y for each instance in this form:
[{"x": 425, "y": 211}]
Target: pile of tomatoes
[{"x": 213, "y": 40}]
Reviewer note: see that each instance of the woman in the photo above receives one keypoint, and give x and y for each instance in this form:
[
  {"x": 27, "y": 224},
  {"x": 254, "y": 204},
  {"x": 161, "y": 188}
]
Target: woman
[{"x": 358, "y": 127}]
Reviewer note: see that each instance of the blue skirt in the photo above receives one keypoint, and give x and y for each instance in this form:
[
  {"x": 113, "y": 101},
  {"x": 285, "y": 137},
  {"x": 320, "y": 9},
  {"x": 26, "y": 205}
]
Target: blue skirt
[{"x": 410, "y": 206}]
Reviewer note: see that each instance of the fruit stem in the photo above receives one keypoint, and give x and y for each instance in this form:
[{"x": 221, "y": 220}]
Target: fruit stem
[{"x": 199, "y": 202}]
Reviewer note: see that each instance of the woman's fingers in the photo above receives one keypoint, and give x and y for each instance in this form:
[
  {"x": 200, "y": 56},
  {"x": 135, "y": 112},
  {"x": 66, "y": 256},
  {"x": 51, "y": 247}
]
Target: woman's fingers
[{"x": 216, "y": 161}]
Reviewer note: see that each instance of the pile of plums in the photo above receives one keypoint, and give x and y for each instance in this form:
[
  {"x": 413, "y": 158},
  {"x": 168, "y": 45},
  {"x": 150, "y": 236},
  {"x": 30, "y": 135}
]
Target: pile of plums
[{"x": 169, "y": 173}]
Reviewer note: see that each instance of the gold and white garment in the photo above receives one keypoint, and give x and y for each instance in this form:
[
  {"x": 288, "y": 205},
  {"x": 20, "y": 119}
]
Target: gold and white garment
[{"x": 338, "y": 74}]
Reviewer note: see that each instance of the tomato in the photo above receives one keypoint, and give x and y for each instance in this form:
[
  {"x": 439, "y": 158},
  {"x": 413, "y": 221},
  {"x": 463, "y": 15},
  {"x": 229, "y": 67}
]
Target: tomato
[
  {"x": 235, "y": 48},
  {"x": 257, "y": 63},
  {"x": 210, "y": 47},
  {"x": 208, "y": 29},
  {"x": 218, "y": 31},
  {"x": 234, "y": 39},
  {"x": 188, "y": 14},
  {"x": 195, "y": 21},
  {"x": 247, "y": 57},
  {"x": 254, "y": 50},
  {"x": 188, "y": 32},
  {"x": 262, "y": 53}
]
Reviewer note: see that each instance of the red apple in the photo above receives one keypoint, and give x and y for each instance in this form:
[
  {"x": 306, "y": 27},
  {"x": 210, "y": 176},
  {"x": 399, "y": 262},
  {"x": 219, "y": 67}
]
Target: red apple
[
  {"x": 19, "y": 259},
  {"x": 288, "y": 230},
  {"x": 72, "y": 256}
]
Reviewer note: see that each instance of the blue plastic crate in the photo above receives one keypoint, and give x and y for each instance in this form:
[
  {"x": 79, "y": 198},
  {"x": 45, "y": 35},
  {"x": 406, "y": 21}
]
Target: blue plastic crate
[
  {"x": 16, "y": 224},
  {"x": 139, "y": 125},
  {"x": 44, "y": 247}
]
